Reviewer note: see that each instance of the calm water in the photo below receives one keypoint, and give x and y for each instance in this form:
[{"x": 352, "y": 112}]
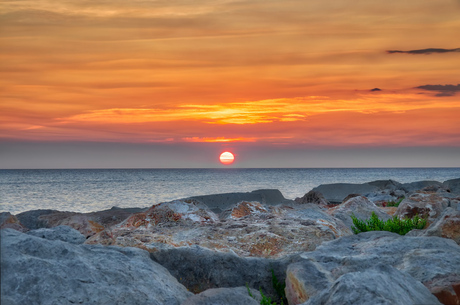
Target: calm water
[{"x": 86, "y": 190}]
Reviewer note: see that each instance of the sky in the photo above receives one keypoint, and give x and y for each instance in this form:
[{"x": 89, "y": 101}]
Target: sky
[{"x": 173, "y": 83}]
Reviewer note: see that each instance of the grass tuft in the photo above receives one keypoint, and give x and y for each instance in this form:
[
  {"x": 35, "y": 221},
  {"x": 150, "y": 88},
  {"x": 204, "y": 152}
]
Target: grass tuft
[{"x": 396, "y": 225}]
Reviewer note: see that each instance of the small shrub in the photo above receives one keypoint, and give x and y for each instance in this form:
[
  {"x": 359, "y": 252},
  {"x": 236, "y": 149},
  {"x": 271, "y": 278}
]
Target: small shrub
[
  {"x": 394, "y": 224},
  {"x": 394, "y": 203}
]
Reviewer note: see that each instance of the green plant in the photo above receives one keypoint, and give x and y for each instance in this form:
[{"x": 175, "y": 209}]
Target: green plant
[
  {"x": 267, "y": 300},
  {"x": 394, "y": 203},
  {"x": 394, "y": 224},
  {"x": 279, "y": 288}
]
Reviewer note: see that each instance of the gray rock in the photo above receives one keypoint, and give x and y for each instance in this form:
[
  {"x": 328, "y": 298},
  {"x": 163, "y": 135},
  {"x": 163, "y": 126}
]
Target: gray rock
[
  {"x": 379, "y": 285},
  {"x": 31, "y": 220},
  {"x": 453, "y": 186},
  {"x": 40, "y": 271},
  {"x": 447, "y": 226},
  {"x": 433, "y": 261},
  {"x": 419, "y": 185},
  {"x": 221, "y": 202},
  {"x": 200, "y": 269},
  {"x": 64, "y": 233},
  {"x": 225, "y": 296},
  {"x": 390, "y": 185},
  {"x": 9, "y": 221},
  {"x": 312, "y": 197},
  {"x": 304, "y": 280},
  {"x": 337, "y": 192},
  {"x": 424, "y": 204},
  {"x": 359, "y": 206}
]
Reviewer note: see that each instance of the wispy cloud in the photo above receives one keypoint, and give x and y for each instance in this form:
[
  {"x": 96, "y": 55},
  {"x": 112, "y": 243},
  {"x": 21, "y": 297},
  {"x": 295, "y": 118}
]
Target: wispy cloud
[
  {"x": 424, "y": 51},
  {"x": 443, "y": 90}
]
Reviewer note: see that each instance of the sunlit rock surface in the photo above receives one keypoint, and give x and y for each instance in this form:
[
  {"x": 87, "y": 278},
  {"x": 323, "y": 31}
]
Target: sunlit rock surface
[{"x": 249, "y": 229}]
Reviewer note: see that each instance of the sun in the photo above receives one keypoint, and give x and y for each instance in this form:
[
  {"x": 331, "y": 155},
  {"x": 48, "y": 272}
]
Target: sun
[{"x": 226, "y": 158}]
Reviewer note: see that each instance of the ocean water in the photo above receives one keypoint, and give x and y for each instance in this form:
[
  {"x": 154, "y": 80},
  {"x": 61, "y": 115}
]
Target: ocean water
[{"x": 88, "y": 190}]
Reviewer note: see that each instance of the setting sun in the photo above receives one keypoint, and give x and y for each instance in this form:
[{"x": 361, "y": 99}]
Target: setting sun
[{"x": 226, "y": 158}]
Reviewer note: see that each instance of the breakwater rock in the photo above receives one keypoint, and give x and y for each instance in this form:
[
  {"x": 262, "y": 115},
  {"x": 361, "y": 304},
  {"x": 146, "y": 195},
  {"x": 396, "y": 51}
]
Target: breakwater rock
[{"x": 209, "y": 248}]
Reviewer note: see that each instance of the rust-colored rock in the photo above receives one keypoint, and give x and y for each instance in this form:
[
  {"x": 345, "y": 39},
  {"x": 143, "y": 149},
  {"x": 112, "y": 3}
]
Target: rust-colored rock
[
  {"x": 424, "y": 204},
  {"x": 447, "y": 226},
  {"x": 10, "y": 221}
]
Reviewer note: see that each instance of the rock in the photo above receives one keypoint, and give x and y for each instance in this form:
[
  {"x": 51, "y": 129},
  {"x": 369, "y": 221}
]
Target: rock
[
  {"x": 244, "y": 208},
  {"x": 336, "y": 193},
  {"x": 390, "y": 185},
  {"x": 360, "y": 206},
  {"x": 64, "y": 233},
  {"x": 419, "y": 185},
  {"x": 379, "y": 285},
  {"x": 424, "y": 204},
  {"x": 31, "y": 219},
  {"x": 312, "y": 197},
  {"x": 225, "y": 296},
  {"x": 433, "y": 261},
  {"x": 260, "y": 231},
  {"x": 200, "y": 269},
  {"x": 221, "y": 202},
  {"x": 453, "y": 186},
  {"x": 40, "y": 271},
  {"x": 10, "y": 221},
  {"x": 304, "y": 280},
  {"x": 87, "y": 223},
  {"x": 447, "y": 226}
]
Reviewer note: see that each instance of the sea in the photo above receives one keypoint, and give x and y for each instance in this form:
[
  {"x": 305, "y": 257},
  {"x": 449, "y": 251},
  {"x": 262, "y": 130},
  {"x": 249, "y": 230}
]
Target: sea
[{"x": 89, "y": 190}]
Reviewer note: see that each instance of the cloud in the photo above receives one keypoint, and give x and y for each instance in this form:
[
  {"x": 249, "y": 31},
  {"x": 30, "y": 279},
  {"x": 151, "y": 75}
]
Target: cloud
[
  {"x": 424, "y": 51},
  {"x": 376, "y": 89},
  {"x": 443, "y": 90}
]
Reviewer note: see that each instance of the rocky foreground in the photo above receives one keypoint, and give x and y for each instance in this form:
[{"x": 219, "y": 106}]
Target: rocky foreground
[{"x": 206, "y": 249}]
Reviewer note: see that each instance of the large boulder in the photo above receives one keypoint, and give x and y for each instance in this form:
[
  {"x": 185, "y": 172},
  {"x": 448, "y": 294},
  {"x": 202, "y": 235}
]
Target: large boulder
[
  {"x": 420, "y": 185},
  {"x": 433, "y": 261},
  {"x": 41, "y": 271},
  {"x": 359, "y": 206},
  {"x": 424, "y": 204},
  {"x": 64, "y": 233},
  {"x": 379, "y": 285},
  {"x": 7, "y": 220},
  {"x": 335, "y": 193},
  {"x": 221, "y": 202},
  {"x": 31, "y": 219},
  {"x": 447, "y": 226},
  {"x": 312, "y": 197},
  {"x": 225, "y": 296},
  {"x": 304, "y": 280},
  {"x": 248, "y": 229},
  {"x": 386, "y": 185},
  {"x": 86, "y": 223},
  {"x": 453, "y": 186}
]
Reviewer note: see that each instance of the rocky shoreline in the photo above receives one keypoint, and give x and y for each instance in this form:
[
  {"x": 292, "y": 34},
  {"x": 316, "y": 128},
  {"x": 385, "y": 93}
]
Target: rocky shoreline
[{"x": 207, "y": 249}]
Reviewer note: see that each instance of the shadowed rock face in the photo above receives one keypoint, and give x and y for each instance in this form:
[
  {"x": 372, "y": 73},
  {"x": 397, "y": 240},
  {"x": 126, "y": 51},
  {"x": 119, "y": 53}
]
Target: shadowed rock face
[
  {"x": 41, "y": 271},
  {"x": 200, "y": 269}
]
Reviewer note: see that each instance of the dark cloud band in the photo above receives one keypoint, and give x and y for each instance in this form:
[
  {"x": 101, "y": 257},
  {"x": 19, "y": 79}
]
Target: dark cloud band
[
  {"x": 443, "y": 90},
  {"x": 424, "y": 51}
]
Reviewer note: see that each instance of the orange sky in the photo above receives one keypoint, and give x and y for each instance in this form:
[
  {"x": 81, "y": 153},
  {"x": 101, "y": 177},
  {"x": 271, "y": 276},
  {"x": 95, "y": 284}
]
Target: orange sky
[{"x": 271, "y": 73}]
